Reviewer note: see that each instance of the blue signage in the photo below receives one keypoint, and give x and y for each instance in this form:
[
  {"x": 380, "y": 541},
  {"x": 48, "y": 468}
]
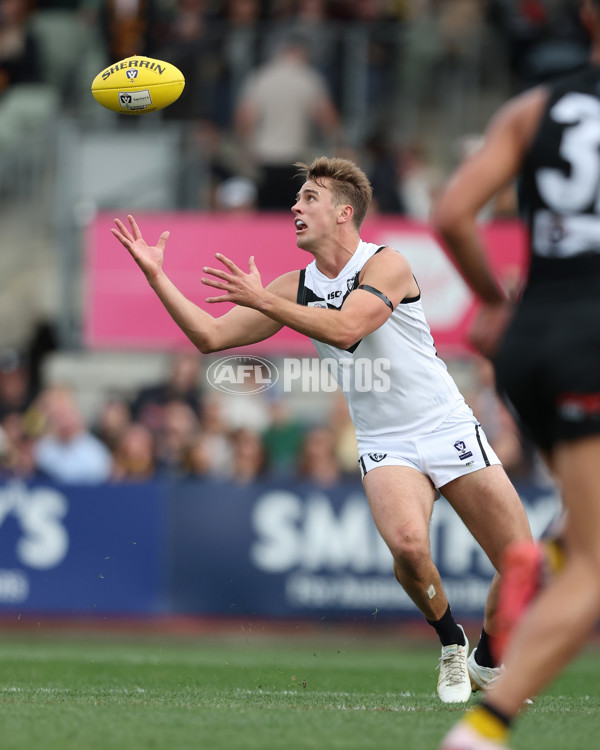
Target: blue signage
[
  {"x": 271, "y": 548},
  {"x": 296, "y": 549},
  {"x": 83, "y": 550}
]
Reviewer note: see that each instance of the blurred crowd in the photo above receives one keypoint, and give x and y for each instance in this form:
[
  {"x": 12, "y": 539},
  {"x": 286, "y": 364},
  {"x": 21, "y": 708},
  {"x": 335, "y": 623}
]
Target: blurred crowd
[
  {"x": 270, "y": 82},
  {"x": 183, "y": 427},
  {"x": 267, "y": 84}
]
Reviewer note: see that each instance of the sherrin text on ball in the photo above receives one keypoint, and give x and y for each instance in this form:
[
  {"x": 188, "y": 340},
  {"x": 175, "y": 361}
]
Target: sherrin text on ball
[{"x": 138, "y": 85}]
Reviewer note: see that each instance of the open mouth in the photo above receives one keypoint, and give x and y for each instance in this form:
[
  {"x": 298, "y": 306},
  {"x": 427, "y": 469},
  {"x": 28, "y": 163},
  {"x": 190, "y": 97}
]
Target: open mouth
[{"x": 300, "y": 225}]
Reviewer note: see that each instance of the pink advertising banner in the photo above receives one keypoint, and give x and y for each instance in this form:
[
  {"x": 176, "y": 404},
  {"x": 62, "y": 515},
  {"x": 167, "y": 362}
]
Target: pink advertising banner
[{"x": 122, "y": 312}]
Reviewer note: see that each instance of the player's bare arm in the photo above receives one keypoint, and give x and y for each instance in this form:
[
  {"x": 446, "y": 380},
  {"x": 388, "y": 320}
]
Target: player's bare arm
[
  {"x": 475, "y": 183},
  {"x": 238, "y": 327},
  {"x": 362, "y": 312},
  {"x": 495, "y": 165}
]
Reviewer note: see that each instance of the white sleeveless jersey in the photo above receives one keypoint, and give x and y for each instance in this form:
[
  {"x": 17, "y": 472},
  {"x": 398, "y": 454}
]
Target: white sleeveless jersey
[{"x": 395, "y": 384}]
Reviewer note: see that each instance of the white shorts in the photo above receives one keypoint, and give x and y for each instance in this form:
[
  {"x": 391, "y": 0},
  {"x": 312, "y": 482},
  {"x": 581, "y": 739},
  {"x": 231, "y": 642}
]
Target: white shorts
[{"x": 458, "y": 446}]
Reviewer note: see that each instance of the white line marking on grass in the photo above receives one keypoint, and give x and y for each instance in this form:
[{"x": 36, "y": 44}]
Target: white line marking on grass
[{"x": 336, "y": 695}]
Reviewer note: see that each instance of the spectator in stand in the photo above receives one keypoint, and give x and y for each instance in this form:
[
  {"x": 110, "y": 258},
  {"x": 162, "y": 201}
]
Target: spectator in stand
[
  {"x": 247, "y": 408},
  {"x": 237, "y": 196},
  {"x": 209, "y": 161},
  {"x": 419, "y": 181},
  {"x": 198, "y": 461},
  {"x": 134, "y": 455},
  {"x": 68, "y": 452},
  {"x": 112, "y": 422},
  {"x": 461, "y": 25},
  {"x": 215, "y": 436},
  {"x": 16, "y": 391},
  {"x": 311, "y": 19},
  {"x": 16, "y": 448},
  {"x": 373, "y": 19},
  {"x": 19, "y": 54},
  {"x": 239, "y": 43},
  {"x": 383, "y": 171},
  {"x": 283, "y": 438},
  {"x": 249, "y": 457},
  {"x": 173, "y": 440},
  {"x": 42, "y": 343},
  {"x": 318, "y": 459},
  {"x": 181, "y": 384},
  {"x": 126, "y": 25},
  {"x": 279, "y": 106},
  {"x": 544, "y": 39},
  {"x": 187, "y": 44}
]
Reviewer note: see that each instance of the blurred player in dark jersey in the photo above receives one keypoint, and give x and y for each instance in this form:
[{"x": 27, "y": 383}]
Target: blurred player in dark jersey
[{"x": 548, "y": 361}]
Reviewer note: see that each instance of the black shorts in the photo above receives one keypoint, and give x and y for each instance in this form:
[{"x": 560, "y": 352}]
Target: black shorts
[{"x": 548, "y": 369}]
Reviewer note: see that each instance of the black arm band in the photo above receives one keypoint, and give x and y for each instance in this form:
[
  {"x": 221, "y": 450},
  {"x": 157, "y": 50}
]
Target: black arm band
[{"x": 377, "y": 293}]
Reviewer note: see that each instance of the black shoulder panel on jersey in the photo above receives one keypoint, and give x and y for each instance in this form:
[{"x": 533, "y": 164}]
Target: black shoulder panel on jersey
[
  {"x": 405, "y": 301},
  {"x": 306, "y": 295},
  {"x": 301, "y": 288},
  {"x": 408, "y": 300}
]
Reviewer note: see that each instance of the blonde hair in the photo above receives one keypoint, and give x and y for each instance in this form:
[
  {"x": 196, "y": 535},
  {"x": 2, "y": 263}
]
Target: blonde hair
[{"x": 349, "y": 184}]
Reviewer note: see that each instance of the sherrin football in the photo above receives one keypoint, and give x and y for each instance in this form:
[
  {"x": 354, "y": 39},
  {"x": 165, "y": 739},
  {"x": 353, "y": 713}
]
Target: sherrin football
[{"x": 138, "y": 85}]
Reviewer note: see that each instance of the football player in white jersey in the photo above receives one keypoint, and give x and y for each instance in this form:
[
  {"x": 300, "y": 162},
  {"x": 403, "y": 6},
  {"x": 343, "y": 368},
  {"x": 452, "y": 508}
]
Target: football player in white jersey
[{"x": 414, "y": 440}]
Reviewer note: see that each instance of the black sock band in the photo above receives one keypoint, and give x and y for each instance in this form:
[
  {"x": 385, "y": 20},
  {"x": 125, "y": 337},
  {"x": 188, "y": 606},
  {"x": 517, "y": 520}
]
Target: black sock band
[
  {"x": 483, "y": 655},
  {"x": 448, "y": 630}
]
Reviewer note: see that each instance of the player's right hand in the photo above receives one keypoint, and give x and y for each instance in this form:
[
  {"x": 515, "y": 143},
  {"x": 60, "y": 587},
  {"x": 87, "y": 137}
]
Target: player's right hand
[
  {"x": 488, "y": 329},
  {"x": 148, "y": 257}
]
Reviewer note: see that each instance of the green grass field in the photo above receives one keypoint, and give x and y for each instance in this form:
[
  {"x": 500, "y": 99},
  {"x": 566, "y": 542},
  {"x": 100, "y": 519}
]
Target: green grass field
[{"x": 251, "y": 692}]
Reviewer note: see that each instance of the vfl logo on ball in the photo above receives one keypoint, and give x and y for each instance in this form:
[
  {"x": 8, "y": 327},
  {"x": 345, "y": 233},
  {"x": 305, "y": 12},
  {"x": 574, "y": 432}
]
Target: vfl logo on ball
[
  {"x": 131, "y": 74},
  {"x": 242, "y": 375},
  {"x": 132, "y": 100},
  {"x": 463, "y": 453}
]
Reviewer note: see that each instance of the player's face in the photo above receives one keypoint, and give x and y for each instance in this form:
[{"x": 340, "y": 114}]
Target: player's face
[{"x": 315, "y": 216}]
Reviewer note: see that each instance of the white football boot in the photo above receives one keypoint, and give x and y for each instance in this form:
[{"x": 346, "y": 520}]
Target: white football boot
[
  {"x": 454, "y": 683},
  {"x": 480, "y": 676}
]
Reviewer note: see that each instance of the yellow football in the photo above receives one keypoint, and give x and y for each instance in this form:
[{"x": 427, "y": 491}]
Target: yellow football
[{"x": 138, "y": 85}]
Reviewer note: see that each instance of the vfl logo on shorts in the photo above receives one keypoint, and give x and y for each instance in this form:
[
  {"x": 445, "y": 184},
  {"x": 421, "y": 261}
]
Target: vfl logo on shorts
[
  {"x": 463, "y": 453},
  {"x": 377, "y": 457}
]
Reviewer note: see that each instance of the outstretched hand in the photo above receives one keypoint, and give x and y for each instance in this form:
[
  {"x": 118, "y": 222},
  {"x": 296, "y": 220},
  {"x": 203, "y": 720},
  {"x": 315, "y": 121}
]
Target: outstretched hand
[
  {"x": 244, "y": 289},
  {"x": 149, "y": 258}
]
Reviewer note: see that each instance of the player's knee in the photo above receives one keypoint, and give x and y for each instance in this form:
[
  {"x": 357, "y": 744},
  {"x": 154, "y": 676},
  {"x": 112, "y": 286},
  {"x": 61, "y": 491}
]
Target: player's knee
[{"x": 410, "y": 549}]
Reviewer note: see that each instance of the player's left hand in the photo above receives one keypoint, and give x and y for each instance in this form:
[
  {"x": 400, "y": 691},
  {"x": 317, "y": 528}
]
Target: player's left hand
[{"x": 242, "y": 288}]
